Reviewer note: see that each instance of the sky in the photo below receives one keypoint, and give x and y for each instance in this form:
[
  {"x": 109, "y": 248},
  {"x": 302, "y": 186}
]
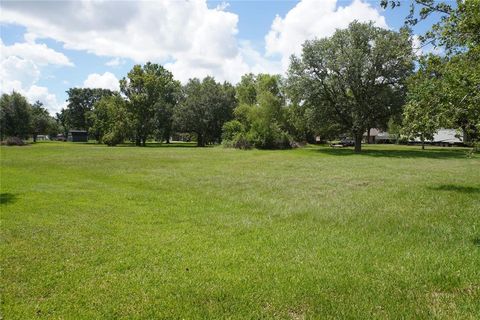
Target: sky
[{"x": 47, "y": 47}]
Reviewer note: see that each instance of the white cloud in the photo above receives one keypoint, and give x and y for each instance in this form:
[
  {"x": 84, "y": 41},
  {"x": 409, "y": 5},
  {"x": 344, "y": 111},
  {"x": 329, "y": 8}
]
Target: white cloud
[
  {"x": 48, "y": 99},
  {"x": 424, "y": 49},
  {"x": 20, "y": 71},
  {"x": 191, "y": 39},
  {"x": 17, "y": 73},
  {"x": 115, "y": 62},
  {"x": 104, "y": 81},
  {"x": 38, "y": 53},
  {"x": 158, "y": 31},
  {"x": 311, "y": 19}
]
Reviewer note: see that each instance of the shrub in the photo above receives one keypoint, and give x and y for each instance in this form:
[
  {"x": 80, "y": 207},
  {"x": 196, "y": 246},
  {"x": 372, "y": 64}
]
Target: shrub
[
  {"x": 13, "y": 141},
  {"x": 269, "y": 136},
  {"x": 231, "y": 129},
  {"x": 112, "y": 138}
]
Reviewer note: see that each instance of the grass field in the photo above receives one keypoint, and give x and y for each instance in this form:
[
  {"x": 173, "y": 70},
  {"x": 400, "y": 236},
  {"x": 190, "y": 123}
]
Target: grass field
[{"x": 92, "y": 232}]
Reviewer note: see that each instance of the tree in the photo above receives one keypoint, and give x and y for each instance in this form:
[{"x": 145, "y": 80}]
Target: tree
[
  {"x": 110, "y": 121},
  {"x": 355, "y": 79},
  {"x": 15, "y": 116},
  {"x": 206, "y": 106},
  {"x": 41, "y": 121},
  {"x": 151, "y": 94},
  {"x": 456, "y": 74},
  {"x": 63, "y": 120},
  {"x": 456, "y": 27},
  {"x": 260, "y": 117},
  {"x": 80, "y": 104},
  {"x": 461, "y": 94}
]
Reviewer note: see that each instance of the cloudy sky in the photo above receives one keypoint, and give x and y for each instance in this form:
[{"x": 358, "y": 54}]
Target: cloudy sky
[{"x": 50, "y": 46}]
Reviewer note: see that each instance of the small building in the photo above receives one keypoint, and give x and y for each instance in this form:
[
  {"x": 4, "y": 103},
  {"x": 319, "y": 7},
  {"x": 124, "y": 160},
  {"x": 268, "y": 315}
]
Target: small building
[
  {"x": 378, "y": 136},
  {"x": 445, "y": 137},
  {"x": 42, "y": 137},
  {"x": 370, "y": 138},
  {"x": 77, "y": 136}
]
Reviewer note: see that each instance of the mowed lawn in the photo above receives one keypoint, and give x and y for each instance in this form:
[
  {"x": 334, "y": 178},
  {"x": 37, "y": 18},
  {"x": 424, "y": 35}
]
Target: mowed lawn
[{"x": 89, "y": 231}]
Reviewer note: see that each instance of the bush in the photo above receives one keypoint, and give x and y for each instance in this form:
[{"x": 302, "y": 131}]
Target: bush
[
  {"x": 112, "y": 139},
  {"x": 13, "y": 141},
  {"x": 231, "y": 129},
  {"x": 269, "y": 136},
  {"x": 262, "y": 135}
]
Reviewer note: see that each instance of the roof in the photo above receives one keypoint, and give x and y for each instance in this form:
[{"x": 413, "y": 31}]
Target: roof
[
  {"x": 77, "y": 131},
  {"x": 446, "y": 135},
  {"x": 373, "y": 132}
]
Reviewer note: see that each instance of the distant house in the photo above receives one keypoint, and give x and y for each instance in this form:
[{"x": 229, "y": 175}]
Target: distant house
[
  {"x": 378, "y": 136},
  {"x": 60, "y": 137},
  {"x": 445, "y": 137},
  {"x": 77, "y": 136},
  {"x": 42, "y": 137}
]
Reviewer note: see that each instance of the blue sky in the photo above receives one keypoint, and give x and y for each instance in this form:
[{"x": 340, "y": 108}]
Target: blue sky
[{"x": 48, "y": 47}]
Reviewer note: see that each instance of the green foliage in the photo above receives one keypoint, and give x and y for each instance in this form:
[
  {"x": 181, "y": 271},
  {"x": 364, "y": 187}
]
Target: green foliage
[
  {"x": 261, "y": 115},
  {"x": 15, "y": 116},
  {"x": 41, "y": 121},
  {"x": 110, "y": 120},
  {"x": 394, "y": 129},
  {"x": 422, "y": 113},
  {"x": 205, "y": 107},
  {"x": 151, "y": 94},
  {"x": 231, "y": 129},
  {"x": 353, "y": 80},
  {"x": 457, "y": 26},
  {"x": 246, "y": 89},
  {"x": 448, "y": 87},
  {"x": 80, "y": 104},
  {"x": 460, "y": 85},
  {"x": 63, "y": 121}
]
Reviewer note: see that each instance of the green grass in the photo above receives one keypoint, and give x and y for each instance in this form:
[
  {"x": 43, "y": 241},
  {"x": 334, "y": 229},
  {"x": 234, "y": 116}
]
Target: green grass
[{"x": 91, "y": 232}]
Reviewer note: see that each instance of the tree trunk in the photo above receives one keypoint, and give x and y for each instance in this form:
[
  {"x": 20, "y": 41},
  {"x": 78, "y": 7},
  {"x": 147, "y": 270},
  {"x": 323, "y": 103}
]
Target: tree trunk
[
  {"x": 466, "y": 137},
  {"x": 34, "y": 138},
  {"x": 200, "y": 141},
  {"x": 137, "y": 142},
  {"x": 358, "y": 142},
  {"x": 423, "y": 143},
  {"x": 144, "y": 142},
  {"x": 368, "y": 136}
]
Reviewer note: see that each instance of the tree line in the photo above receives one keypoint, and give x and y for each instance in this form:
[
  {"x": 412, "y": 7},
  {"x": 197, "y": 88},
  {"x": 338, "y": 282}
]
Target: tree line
[{"x": 361, "y": 77}]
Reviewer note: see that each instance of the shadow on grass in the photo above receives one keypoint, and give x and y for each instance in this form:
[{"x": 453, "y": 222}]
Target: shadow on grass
[
  {"x": 6, "y": 198},
  {"x": 397, "y": 153},
  {"x": 476, "y": 241},
  {"x": 455, "y": 188},
  {"x": 148, "y": 145}
]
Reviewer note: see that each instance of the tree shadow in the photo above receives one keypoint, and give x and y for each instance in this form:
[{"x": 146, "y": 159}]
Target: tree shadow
[
  {"x": 162, "y": 145},
  {"x": 397, "y": 153},
  {"x": 6, "y": 198},
  {"x": 476, "y": 241},
  {"x": 456, "y": 188}
]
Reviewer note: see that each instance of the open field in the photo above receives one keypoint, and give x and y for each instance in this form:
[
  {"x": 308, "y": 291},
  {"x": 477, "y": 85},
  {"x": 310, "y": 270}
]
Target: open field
[{"x": 180, "y": 232}]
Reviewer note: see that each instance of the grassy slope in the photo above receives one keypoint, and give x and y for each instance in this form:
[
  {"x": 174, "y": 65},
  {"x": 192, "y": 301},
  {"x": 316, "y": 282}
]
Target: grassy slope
[{"x": 90, "y": 231}]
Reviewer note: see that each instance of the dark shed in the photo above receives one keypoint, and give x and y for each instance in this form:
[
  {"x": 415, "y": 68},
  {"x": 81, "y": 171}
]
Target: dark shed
[{"x": 77, "y": 136}]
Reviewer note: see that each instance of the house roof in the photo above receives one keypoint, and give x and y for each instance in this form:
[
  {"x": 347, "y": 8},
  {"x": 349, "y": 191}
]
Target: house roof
[
  {"x": 373, "y": 132},
  {"x": 77, "y": 131},
  {"x": 446, "y": 135}
]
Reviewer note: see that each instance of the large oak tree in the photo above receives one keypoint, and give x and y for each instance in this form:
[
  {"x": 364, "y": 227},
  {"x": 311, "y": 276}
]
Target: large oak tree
[
  {"x": 150, "y": 90},
  {"x": 353, "y": 80},
  {"x": 205, "y": 107}
]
